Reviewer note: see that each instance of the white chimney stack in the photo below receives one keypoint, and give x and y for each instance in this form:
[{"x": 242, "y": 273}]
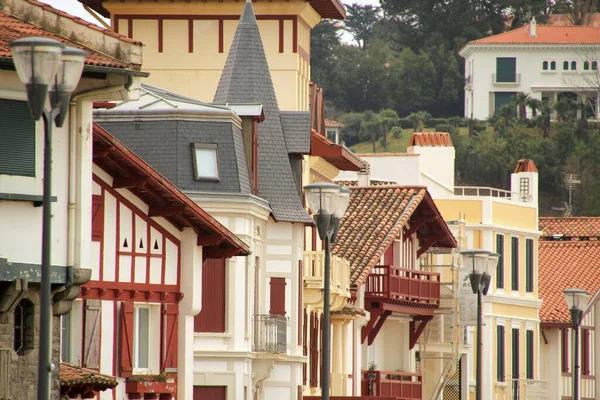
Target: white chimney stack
[
  {"x": 533, "y": 28},
  {"x": 364, "y": 175}
]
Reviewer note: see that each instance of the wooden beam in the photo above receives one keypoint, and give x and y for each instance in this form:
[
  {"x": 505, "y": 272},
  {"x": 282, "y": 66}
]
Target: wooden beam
[
  {"x": 165, "y": 211},
  {"x": 429, "y": 241},
  {"x": 415, "y": 331},
  {"x": 416, "y": 224},
  {"x": 209, "y": 240},
  {"x": 378, "y": 326},
  {"x": 130, "y": 183},
  {"x": 102, "y": 152},
  {"x": 367, "y": 329},
  {"x": 219, "y": 253}
]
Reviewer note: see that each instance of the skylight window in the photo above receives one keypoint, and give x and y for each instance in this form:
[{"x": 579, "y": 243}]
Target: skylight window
[{"x": 206, "y": 167}]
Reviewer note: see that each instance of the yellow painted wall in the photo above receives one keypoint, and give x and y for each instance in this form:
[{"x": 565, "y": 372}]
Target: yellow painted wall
[
  {"x": 197, "y": 74},
  {"x": 514, "y": 215},
  {"x": 452, "y": 210}
]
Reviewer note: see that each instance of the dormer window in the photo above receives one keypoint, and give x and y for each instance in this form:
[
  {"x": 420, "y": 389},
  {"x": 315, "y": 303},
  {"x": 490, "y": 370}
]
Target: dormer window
[{"x": 206, "y": 167}]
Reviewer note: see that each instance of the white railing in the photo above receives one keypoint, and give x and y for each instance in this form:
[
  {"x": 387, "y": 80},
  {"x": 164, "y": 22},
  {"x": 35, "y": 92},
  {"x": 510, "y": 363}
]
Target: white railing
[
  {"x": 482, "y": 191},
  {"x": 587, "y": 386},
  {"x": 270, "y": 334},
  {"x": 314, "y": 271},
  {"x": 517, "y": 80},
  {"x": 530, "y": 389}
]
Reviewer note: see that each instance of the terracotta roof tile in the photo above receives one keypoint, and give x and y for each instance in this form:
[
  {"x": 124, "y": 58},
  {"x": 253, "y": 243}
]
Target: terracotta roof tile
[
  {"x": 572, "y": 227},
  {"x": 564, "y": 265},
  {"x": 525, "y": 165},
  {"x": 329, "y": 123},
  {"x": 375, "y": 217},
  {"x": 350, "y": 310},
  {"x": 374, "y": 182},
  {"x": 431, "y": 139},
  {"x": 546, "y": 34},
  {"x": 73, "y": 378}
]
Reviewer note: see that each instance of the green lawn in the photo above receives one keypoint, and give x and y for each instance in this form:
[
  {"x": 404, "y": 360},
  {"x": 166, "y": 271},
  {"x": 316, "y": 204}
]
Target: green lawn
[{"x": 394, "y": 145}]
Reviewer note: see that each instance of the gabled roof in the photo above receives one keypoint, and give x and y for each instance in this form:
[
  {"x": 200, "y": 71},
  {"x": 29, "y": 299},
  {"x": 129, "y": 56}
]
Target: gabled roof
[
  {"x": 525, "y": 165},
  {"x": 77, "y": 381},
  {"x": 24, "y": 20},
  {"x": 545, "y": 34},
  {"x": 336, "y": 154},
  {"x": 163, "y": 198},
  {"x": 376, "y": 216},
  {"x": 431, "y": 139},
  {"x": 246, "y": 79},
  {"x": 571, "y": 227}
]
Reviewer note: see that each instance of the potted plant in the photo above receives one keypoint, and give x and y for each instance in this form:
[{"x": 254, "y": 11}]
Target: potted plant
[
  {"x": 151, "y": 386},
  {"x": 371, "y": 376}
]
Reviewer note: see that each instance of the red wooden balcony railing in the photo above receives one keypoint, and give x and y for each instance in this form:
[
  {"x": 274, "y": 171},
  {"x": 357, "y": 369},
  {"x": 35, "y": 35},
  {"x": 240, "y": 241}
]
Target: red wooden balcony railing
[
  {"x": 393, "y": 284},
  {"x": 395, "y": 384}
]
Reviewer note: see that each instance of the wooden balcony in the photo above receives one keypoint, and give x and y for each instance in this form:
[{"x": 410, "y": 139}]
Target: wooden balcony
[
  {"x": 394, "y": 384},
  {"x": 314, "y": 274},
  {"x": 404, "y": 287}
]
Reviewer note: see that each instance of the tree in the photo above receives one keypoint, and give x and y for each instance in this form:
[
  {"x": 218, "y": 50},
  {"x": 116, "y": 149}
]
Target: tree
[
  {"x": 418, "y": 119},
  {"x": 360, "y": 22},
  {"x": 521, "y": 100},
  {"x": 565, "y": 108},
  {"x": 388, "y": 119},
  {"x": 370, "y": 127},
  {"x": 535, "y": 105},
  {"x": 545, "y": 117},
  {"x": 325, "y": 39},
  {"x": 579, "y": 11}
]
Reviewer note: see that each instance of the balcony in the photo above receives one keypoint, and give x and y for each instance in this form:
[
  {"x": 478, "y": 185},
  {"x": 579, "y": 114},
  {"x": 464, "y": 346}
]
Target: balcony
[
  {"x": 402, "y": 286},
  {"x": 314, "y": 274},
  {"x": 391, "y": 384},
  {"x": 491, "y": 192},
  {"x": 270, "y": 334},
  {"x": 514, "y": 80},
  {"x": 530, "y": 389}
]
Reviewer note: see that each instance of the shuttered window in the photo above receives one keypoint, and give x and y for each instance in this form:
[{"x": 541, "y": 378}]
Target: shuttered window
[
  {"x": 210, "y": 393},
  {"x": 530, "y": 354},
  {"x": 277, "y": 296},
  {"x": 514, "y": 262},
  {"x": 91, "y": 339},
  {"x": 97, "y": 217},
  {"x": 506, "y": 69},
  {"x": 515, "y": 353},
  {"x": 212, "y": 316},
  {"x": 585, "y": 351},
  {"x": 17, "y": 139},
  {"x": 500, "y": 354},
  {"x": 500, "y": 268},
  {"x": 529, "y": 265},
  {"x": 503, "y": 98},
  {"x": 564, "y": 350}
]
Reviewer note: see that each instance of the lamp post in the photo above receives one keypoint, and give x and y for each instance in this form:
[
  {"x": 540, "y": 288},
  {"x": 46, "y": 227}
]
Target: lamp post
[
  {"x": 328, "y": 203},
  {"x": 577, "y": 300},
  {"x": 50, "y": 71},
  {"x": 483, "y": 265}
]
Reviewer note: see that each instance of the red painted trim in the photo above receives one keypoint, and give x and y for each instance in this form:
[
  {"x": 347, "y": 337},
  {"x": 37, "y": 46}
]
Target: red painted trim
[
  {"x": 220, "y": 36},
  {"x": 281, "y": 35},
  {"x": 190, "y": 36},
  {"x": 163, "y": 269},
  {"x": 178, "y": 265},
  {"x": 333, "y": 153},
  {"x": 130, "y": 28},
  {"x": 295, "y": 35},
  {"x": 149, "y": 254},
  {"x": 133, "y": 245},
  {"x": 118, "y": 236},
  {"x": 138, "y": 254},
  {"x": 160, "y": 35},
  {"x": 115, "y": 343},
  {"x": 125, "y": 291}
]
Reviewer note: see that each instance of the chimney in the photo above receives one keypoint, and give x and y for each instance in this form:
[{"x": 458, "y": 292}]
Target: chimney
[
  {"x": 533, "y": 28},
  {"x": 364, "y": 175},
  {"x": 524, "y": 180}
]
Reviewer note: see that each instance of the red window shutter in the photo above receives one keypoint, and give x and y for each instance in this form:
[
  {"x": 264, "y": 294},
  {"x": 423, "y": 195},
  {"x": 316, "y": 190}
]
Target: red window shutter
[
  {"x": 91, "y": 340},
  {"x": 212, "y": 316},
  {"x": 277, "y": 296},
  {"x": 170, "y": 312},
  {"x": 564, "y": 350},
  {"x": 126, "y": 339},
  {"x": 210, "y": 393},
  {"x": 585, "y": 352},
  {"x": 314, "y": 350},
  {"x": 304, "y": 347},
  {"x": 300, "y": 304},
  {"x": 97, "y": 217}
]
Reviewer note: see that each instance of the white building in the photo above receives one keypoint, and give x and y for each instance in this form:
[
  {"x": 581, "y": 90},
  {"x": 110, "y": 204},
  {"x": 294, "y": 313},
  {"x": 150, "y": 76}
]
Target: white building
[{"x": 545, "y": 62}]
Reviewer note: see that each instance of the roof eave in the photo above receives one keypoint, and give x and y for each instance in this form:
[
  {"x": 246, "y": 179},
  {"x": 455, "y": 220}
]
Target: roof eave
[{"x": 6, "y": 63}]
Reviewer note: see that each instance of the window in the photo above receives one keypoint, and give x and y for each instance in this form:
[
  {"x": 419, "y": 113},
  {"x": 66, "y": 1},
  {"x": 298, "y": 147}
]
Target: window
[
  {"x": 545, "y": 65},
  {"x": 566, "y": 65},
  {"x": 500, "y": 268},
  {"x": 65, "y": 338},
  {"x": 564, "y": 350},
  {"x": 277, "y": 296},
  {"x": 515, "y": 353},
  {"x": 17, "y": 139},
  {"x": 212, "y": 316},
  {"x": 503, "y": 98},
  {"x": 23, "y": 327},
  {"x": 206, "y": 166},
  {"x": 514, "y": 264},
  {"x": 586, "y": 65},
  {"x": 586, "y": 352},
  {"x": 594, "y": 65},
  {"x": 141, "y": 337},
  {"x": 506, "y": 69},
  {"x": 500, "y": 354},
  {"x": 529, "y": 265},
  {"x": 141, "y": 340},
  {"x": 530, "y": 353},
  {"x": 553, "y": 65},
  {"x": 524, "y": 189},
  {"x": 573, "y": 65}
]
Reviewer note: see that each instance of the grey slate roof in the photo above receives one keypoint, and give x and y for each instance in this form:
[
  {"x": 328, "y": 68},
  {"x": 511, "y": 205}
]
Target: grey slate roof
[
  {"x": 246, "y": 79},
  {"x": 296, "y": 129}
]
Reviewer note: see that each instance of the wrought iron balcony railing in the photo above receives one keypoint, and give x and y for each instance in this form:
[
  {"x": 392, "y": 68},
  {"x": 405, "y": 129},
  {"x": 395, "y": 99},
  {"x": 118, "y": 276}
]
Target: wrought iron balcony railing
[{"x": 270, "y": 334}]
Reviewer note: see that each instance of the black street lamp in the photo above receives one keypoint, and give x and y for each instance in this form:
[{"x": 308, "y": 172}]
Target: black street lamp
[
  {"x": 483, "y": 265},
  {"x": 50, "y": 71},
  {"x": 577, "y": 300},
  {"x": 328, "y": 203}
]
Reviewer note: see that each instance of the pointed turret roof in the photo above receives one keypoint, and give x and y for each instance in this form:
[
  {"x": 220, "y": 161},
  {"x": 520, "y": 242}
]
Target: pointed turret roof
[{"x": 246, "y": 79}]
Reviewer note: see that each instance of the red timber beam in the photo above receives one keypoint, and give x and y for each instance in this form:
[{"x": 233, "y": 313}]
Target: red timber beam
[
  {"x": 130, "y": 183},
  {"x": 416, "y": 330},
  {"x": 218, "y": 253},
  {"x": 428, "y": 241},
  {"x": 166, "y": 211},
  {"x": 416, "y": 224},
  {"x": 209, "y": 240},
  {"x": 374, "y": 325}
]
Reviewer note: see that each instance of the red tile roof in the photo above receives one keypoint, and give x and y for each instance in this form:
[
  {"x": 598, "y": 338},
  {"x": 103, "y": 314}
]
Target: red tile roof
[
  {"x": 546, "y": 34},
  {"x": 376, "y": 216},
  {"x": 12, "y": 27},
  {"x": 431, "y": 139},
  {"x": 564, "y": 265},
  {"x": 525, "y": 165},
  {"x": 82, "y": 381},
  {"x": 572, "y": 227},
  {"x": 374, "y": 182},
  {"x": 329, "y": 123},
  {"x": 113, "y": 157}
]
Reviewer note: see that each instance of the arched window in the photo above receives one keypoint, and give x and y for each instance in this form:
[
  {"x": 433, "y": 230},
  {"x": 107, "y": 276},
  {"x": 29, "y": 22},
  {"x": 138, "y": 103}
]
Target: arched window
[
  {"x": 573, "y": 65},
  {"x": 586, "y": 65},
  {"x": 23, "y": 326},
  {"x": 594, "y": 65},
  {"x": 553, "y": 65},
  {"x": 566, "y": 65},
  {"x": 545, "y": 65}
]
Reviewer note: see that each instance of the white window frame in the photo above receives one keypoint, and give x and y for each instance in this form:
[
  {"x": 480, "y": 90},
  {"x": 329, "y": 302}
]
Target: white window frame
[
  {"x": 204, "y": 147},
  {"x": 154, "y": 336}
]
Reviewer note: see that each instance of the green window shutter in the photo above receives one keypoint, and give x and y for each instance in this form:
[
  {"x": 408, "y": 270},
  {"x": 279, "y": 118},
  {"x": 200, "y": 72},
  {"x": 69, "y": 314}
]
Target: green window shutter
[
  {"x": 500, "y": 354},
  {"x": 515, "y": 353},
  {"x": 506, "y": 69},
  {"x": 529, "y": 265},
  {"x": 529, "y": 354},
  {"x": 514, "y": 270},
  {"x": 502, "y": 98},
  {"x": 17, "y": 139},
  {"x": 500, "y": 267}
]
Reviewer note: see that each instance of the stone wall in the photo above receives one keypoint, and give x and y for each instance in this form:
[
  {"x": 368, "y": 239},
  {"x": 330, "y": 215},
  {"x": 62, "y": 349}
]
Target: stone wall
[{"x": 23, "y": 369}]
